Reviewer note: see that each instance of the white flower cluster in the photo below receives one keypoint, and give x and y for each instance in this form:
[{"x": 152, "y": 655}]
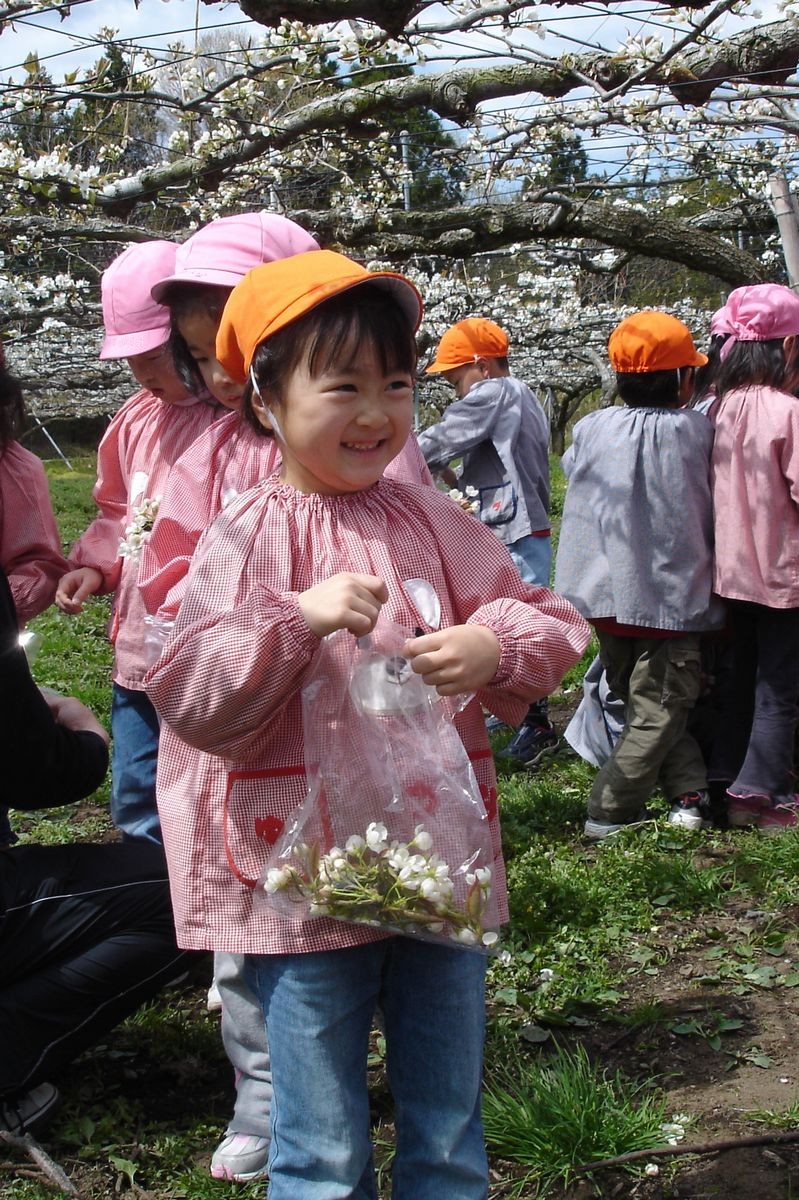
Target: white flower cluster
[
  {"x": 466, "y": 500},
  {"x": 674, "y": 1130},
  {"x": 130, "y": 546},
  {"x": 379, "y": 881}
]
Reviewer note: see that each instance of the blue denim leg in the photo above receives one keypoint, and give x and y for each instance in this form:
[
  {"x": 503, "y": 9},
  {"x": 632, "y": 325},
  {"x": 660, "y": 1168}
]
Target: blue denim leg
[
  {"x": 433, "y": 1002},
  {"x": 532, "y": 557},
  {"x": 319, "y": 1010},
  {"x": 134, "y": 755}
]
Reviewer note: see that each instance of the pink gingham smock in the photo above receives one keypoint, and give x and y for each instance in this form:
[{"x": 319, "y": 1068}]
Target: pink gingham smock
[
  {"x": 225, "y": 461},
  {"x": 228, "y": 685},
  {"x": 143, "y": 441},
  {"x": 755, "y": 484},
  {"x": 30, "y": 544}
]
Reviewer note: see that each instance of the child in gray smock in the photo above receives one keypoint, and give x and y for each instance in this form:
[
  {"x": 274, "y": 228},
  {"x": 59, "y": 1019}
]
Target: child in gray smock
[
  {"x": 636, "y": 558},
  {"x": 500, "y": 431}
]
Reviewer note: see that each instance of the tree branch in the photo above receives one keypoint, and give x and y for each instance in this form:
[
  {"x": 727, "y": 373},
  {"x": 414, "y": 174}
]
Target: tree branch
[
  {"x": 764, "y": 1139},
  {"x": 455, "y": 95},
  {"x": 470, "y": 229},
  {"x": 44, "y": 1162}
]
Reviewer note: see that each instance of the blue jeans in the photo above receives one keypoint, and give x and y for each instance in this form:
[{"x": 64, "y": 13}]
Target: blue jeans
[
  {"x": 532, "y": 557},
  {"x": 319, "y": 1009},
  {"x": 134, "y": 729}
]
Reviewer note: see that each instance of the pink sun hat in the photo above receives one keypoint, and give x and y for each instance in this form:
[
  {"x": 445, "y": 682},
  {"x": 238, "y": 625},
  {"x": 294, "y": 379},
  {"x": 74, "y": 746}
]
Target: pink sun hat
[
  {"x": 223, "y": 251},
  {"x": 761, "y": 312},
  {"x": 133, "y": 322}
]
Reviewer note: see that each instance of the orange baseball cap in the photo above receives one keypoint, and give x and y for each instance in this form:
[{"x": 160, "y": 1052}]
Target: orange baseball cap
[
  {"x": 652, "y": 341},
  {"x": 467, "y": 341},
  {"x": 272, "y": 296}
]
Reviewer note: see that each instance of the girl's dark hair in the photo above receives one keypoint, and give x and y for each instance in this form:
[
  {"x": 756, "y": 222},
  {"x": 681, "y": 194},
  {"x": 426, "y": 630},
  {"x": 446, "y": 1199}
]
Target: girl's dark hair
[
  {"x": 333, "y": 335},
  {"x": 12, "y": 407},
  {"x": 183, "y": 300},
  {"x": 750, "y": 364},
  {"x": 705, "y": 379},
  {"x": 649, "y": 389}
]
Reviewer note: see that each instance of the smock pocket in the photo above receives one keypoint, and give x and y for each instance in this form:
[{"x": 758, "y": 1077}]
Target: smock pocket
[
  {"x": 498, "y": 504},
  {"x": 257, "y": 805},
  {"x": 681, "y": 679}
]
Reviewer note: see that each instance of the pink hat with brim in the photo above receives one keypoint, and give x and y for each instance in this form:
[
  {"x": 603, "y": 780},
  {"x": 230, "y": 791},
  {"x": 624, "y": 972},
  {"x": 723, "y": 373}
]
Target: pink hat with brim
[
  {"x": 761, "y": 312},
  {"x": 222, "y": 252},
  {"x": 134, "y": 322}
]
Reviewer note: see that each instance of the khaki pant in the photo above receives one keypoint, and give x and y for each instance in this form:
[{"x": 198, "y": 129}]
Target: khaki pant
[{"x": 658, "y": 680}]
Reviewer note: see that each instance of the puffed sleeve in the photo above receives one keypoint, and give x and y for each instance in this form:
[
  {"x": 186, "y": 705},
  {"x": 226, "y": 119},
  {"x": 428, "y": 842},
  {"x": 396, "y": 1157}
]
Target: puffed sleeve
[
  {"x": 98, "y": 545},
  {"x": 540, "y": 633},
  {"x": 30, "y": 552},
  {"x": 239, "y": 649}
]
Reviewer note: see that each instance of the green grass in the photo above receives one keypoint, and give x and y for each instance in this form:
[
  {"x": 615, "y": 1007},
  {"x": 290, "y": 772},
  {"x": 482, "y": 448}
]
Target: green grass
[
  {"x": 563, "y": 1112},
  {"x": 586, "y": 922}
]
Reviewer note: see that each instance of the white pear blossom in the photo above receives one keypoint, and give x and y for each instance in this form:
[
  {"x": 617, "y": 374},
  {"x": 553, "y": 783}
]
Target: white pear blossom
[
  {"x": 136, "y": 532},
  {"x": 383, "y": 883}
]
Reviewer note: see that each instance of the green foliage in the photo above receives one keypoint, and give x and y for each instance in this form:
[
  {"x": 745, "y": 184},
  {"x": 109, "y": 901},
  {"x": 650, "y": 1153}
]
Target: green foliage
[
  {"x": 71, "y": 494},
  {"x": 563, "y": 1113},
  {"x": 438, "y": 174}
]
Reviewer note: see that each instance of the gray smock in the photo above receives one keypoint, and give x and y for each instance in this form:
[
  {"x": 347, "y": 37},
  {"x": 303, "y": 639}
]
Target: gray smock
[
  {"x": 636, "y": 539},
  {"x": 500, "y": 430}
]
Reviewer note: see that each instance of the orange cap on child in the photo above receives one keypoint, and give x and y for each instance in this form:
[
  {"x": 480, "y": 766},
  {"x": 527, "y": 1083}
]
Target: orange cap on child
[
  {"x": 272, "y": 296},
  {"x": 474, "y": 338},
  {"x": 652, "y": 341}
]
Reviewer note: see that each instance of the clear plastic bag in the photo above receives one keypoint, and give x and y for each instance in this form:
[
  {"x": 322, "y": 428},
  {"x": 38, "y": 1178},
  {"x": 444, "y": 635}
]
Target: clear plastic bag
[
  {"x": 157, "y": 632},
  {"x": 393, "y": 831}
]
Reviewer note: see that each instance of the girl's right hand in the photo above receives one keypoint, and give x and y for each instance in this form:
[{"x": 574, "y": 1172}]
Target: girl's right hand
[
  {"x": 75, "y": 587},
  {"x": 345, "y": 601}
]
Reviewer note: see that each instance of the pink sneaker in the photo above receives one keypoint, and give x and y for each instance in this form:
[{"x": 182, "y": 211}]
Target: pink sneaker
[
  {"x": 746, "y": 810},
  {"x": 778, "y": 819}
]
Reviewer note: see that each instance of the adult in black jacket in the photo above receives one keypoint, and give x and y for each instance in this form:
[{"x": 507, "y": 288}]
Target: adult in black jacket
[{"x": 85, "y": 930}]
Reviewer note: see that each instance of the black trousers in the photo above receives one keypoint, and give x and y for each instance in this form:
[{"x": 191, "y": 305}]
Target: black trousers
[{"x": 86, "y": 936}]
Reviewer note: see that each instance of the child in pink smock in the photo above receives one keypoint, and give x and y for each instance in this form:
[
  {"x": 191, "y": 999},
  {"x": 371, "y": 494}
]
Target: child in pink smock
[
  {"x": 325, "y": 545},
  {"x": 229, "y": 457},
  {"x": 30, "y": 545},
  {"x": 755, "y": 484},
  {"x": 135, "y": 456}
]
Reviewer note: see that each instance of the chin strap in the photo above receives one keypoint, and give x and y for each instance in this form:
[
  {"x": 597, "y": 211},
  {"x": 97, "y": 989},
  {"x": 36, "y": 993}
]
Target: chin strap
[{"x": 270, "y": 416}]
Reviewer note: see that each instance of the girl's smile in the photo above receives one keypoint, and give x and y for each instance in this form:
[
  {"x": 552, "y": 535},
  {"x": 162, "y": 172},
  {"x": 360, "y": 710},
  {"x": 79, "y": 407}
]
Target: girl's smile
[{"x": 338, "y": 431}]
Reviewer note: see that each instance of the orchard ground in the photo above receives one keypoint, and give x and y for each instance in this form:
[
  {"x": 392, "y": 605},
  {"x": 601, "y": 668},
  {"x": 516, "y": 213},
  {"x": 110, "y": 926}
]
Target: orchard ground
[{"x": 670, "y": 958}]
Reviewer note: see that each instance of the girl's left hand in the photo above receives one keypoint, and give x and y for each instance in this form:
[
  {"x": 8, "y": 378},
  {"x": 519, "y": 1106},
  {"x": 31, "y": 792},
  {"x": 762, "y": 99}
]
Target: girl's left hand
[{"x": 462, "y": 658}]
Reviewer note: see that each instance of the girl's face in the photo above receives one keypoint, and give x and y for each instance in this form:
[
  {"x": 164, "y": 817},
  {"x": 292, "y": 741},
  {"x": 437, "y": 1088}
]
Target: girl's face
[
  {"x": 155, "y": 371},
  {"x": 340, "y": 429},
  {"x": 198, "y": 330}
]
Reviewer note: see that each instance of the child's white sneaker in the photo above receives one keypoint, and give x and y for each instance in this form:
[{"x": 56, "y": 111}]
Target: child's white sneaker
[
  {"x": 30, "y": 1111},
  {"x": 596, "y": 831},
  {"x": 691, "y": 811},
  {"x": 240, "y": 1157}
]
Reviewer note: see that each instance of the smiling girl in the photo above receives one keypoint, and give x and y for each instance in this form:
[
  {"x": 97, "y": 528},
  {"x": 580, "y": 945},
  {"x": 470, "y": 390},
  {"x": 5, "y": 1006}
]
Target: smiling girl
[{"x": 327, "y": 544}]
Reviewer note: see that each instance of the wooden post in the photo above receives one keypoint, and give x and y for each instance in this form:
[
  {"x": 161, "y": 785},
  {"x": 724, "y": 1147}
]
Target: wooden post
[{"x": 785, "y": 211}]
